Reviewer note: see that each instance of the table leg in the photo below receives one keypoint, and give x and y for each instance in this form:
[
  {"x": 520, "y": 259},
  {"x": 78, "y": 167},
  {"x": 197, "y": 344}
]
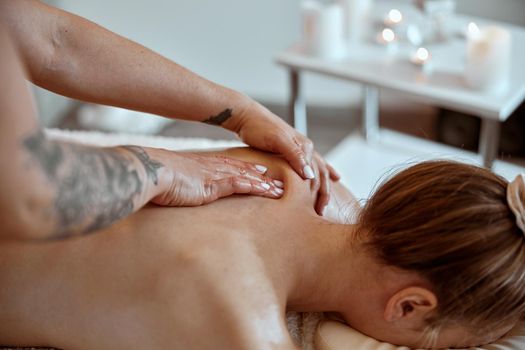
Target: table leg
[
  {"x": 489, "y": 141},
  {"x": 297, "y": 106},
  {"x": 370, "y": 113}
]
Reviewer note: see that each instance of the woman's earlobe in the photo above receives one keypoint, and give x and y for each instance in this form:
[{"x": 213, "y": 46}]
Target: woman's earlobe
[{"x": 409, "y": 303}]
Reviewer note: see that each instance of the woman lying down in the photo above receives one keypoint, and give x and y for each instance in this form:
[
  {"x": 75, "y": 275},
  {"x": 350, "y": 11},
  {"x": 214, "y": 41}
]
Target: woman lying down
[{"x": 435, "y": 259}]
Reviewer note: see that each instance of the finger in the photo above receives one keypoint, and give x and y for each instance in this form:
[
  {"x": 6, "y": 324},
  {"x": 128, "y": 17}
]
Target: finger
[
  {"x": 235, "y": 164},
  {"x": 308, "y": 148},
  {"x": 295, "y": 154},
  {"x": 334, "y": 175},
  {"x": 250, "y": 170},
  {"x": 323, "y": 195},
  {"x": 241, "y": 168},
  {"x": 269, "y": 188},
  {"x": 240, "y": 185}
]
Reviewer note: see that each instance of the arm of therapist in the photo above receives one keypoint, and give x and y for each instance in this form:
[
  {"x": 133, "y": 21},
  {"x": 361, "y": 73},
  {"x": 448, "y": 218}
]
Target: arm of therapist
[
  {"x": 77, "y": 58},
  {"x": 51, "y": 189}
]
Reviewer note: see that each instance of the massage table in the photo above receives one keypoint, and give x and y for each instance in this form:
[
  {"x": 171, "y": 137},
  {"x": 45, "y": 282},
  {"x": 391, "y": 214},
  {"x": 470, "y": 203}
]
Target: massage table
[{"x": 311, "y": 331}]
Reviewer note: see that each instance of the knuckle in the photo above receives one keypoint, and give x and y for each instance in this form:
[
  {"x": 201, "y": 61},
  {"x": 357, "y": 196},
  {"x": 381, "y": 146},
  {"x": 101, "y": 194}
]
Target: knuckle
[
  {"x": 238, "y": 184},
  {"x": 308, "y": 143},
  {"x": 234, "y": 182},
  {"x": 298, "y": 152},
  {"x": 285, "y": 138}
]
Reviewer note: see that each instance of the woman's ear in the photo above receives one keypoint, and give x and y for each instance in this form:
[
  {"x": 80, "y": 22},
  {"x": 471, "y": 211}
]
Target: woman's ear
[{"x": 412, "y": 305}]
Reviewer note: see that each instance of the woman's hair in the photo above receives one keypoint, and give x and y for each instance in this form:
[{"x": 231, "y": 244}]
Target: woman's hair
[{"x": 450, "y": 223}]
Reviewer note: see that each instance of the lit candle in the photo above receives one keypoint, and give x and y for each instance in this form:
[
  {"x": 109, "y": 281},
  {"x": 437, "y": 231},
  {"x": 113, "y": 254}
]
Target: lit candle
[
  {"x": 393, "y": 18},
  {"x": 388, "y": 38},
  {"x": 422, "y": 58},
  {"x": 473, "y": 30},
  {"x": 488, "y": 57}
]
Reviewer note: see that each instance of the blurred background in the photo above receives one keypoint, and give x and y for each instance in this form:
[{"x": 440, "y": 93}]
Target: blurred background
[{"x": 234, "y": 42}]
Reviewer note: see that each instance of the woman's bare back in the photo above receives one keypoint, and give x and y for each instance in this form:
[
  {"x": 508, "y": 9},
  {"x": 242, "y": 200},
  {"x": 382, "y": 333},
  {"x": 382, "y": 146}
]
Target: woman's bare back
[{"x": 192, "y": 278}]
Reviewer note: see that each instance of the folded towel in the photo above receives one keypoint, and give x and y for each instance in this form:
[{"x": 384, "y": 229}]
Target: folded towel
[{"x": 96, "y": 138}]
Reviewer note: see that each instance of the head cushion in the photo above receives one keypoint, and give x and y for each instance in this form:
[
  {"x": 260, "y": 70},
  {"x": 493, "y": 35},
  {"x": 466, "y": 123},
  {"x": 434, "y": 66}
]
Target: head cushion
[{"x": 332, "y": 335}]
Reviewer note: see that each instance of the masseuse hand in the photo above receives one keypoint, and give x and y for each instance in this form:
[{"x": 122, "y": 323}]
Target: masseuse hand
[
  {"x": 260, "y": 128},
  {"x": 192, "y": 179}
]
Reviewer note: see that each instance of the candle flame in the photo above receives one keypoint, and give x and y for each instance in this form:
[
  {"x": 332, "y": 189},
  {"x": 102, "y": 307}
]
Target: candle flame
[
  {"x": 473, "y": 29},
  {"x": 422, "y": 54},
  {"x": 395, "y": 16},
  {"x": 388, "y": 35}
]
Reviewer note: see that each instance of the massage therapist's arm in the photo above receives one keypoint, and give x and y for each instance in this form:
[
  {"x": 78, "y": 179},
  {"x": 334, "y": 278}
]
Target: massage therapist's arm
[
  {"x": 77, "y": 58},
  {"x": 51, "y": 189}
]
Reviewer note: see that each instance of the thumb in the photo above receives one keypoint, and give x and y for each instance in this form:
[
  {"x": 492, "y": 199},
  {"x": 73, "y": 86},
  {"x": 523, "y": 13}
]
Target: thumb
[
  {"x": 240, "y": 185},
  {"x": 298, "y": 153}
]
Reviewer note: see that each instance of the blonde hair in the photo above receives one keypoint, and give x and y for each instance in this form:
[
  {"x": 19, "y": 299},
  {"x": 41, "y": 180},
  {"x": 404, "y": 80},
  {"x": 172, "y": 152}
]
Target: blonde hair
[{"x": 451, "y": 223}]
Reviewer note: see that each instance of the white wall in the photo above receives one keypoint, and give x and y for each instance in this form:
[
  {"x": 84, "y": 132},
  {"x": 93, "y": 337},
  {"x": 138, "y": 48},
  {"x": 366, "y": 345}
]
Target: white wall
[{"x": 233, "y": 42}]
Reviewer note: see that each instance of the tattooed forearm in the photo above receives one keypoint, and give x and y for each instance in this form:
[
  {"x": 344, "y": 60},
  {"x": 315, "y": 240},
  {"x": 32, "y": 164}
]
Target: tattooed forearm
[
  {"x": 219, "y": 118},
  {"x": 94, "y": 187},
  {"x": 152, "y": 167}
]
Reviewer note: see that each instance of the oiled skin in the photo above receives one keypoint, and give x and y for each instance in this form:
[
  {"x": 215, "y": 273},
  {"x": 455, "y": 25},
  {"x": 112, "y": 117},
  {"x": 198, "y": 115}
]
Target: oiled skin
[{"x": 166, "y": 278}]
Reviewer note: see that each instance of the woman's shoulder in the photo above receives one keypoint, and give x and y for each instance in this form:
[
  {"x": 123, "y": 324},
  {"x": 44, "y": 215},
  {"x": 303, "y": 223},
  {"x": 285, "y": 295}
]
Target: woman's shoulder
[{"x": 343, "y": 206}]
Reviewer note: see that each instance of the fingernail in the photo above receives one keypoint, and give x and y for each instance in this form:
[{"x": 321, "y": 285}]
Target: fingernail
[
  {"x": 261, "y": 168},
  {"x": 265, "y": 185},
  {"x": 279, "y": 191},
  {"x": 308, "y": 172},
  {"x": 278, "y": 183}
]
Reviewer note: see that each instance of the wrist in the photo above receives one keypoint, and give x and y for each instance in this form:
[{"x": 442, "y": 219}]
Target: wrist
[
  {"x": 153, "y": 174},
  {"x": 241, "y": 105},
  {"x": 164, "y": 174}
]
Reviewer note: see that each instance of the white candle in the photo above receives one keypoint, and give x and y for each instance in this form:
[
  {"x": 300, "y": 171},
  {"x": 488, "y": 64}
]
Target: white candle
[
  {"x": 488, "y": 57},
  {"x": 323, "y": 34},
  {"x": 422, "y": 58},
  {"x": 388, "y": 38},
  {"x": 357, "y": 17}
]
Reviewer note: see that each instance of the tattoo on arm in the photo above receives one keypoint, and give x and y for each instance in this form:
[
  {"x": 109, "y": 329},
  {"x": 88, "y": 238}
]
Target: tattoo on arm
[
  {"x": 149, "y": 164},
  {"x": 219, "y": 118},
  {"x": 94, "y": 187}
]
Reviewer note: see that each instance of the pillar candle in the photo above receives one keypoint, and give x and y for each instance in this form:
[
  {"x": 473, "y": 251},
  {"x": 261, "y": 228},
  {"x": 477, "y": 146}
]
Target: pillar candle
[
  {"x": 323, "y": 34},
  {"x": 357, "y": 19},
  {"x": 488, "y": 58}
]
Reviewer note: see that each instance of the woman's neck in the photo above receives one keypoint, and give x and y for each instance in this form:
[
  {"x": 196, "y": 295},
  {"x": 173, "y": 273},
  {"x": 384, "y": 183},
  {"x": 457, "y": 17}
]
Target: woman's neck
[{"x": 314, "y": 263}]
